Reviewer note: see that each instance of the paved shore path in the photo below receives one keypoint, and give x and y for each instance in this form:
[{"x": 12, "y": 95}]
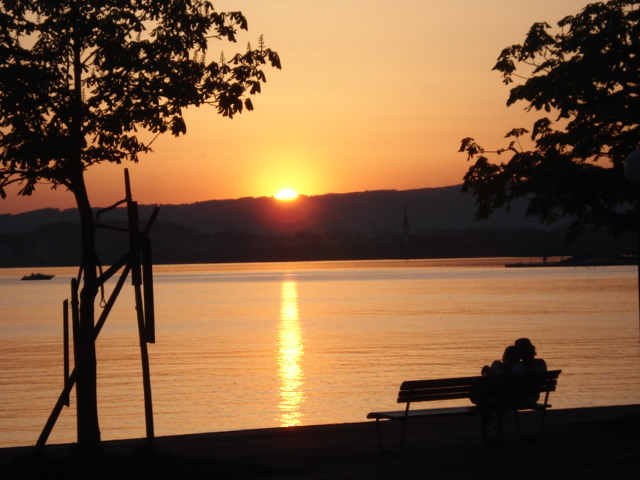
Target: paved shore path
[{"x": 586, "y": 443}]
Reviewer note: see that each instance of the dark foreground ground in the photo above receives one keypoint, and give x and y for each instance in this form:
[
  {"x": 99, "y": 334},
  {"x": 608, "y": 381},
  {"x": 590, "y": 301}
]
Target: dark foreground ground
[{"x": 588, "y": 443}]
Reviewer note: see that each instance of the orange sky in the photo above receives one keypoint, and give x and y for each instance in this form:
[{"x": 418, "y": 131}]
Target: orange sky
[{"x": 372, "y": 95}]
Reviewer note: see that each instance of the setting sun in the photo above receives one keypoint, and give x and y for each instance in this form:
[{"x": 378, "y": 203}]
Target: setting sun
[{"x": 286, "y": 194}]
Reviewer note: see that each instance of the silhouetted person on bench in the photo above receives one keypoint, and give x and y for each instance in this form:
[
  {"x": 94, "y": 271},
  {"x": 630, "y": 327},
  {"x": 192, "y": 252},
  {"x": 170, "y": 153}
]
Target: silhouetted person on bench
[
  {"x": 510, "y": 359},
  {"x": 518, "y": 358},
  {"x": 527, "y": 353}
]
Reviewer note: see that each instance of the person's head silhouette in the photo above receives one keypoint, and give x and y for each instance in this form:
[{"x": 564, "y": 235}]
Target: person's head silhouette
[
  {"x": 526, "y": 350},
  {"x": 510, "y": 357}
]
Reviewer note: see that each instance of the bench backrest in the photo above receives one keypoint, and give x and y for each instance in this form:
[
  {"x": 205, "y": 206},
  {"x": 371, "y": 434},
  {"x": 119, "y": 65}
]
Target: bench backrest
[{"x": 465, "y": 387}]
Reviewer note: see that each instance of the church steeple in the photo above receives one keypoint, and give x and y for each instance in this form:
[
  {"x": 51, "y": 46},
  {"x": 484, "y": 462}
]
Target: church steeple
[{"x": 405, "y": 223}]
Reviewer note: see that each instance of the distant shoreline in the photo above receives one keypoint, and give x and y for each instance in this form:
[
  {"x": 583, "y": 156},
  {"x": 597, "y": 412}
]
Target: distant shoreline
[{"x": 581, "y": 261}]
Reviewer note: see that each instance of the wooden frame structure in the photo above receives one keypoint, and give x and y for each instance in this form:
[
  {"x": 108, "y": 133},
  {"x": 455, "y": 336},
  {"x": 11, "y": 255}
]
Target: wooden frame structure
[{"x": 137, "y": 262}]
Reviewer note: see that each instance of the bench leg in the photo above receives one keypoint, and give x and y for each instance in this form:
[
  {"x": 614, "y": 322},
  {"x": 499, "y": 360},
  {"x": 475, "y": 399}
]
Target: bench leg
[
  {"x": 379, "y": 433},
  {"x": 404, "y": 429},
  {"x": 379, "y": 430},
  {"x": 491, "y": 421},
  {"x": 542, "y": 419},
  {"x": 543, "y": 414},
  {"x": 515, "y": 414}
]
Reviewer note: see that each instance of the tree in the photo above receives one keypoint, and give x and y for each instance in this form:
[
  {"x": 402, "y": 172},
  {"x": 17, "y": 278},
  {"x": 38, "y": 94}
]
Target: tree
[
  {"x": 88, "y": 81},
  {"x": 586, "y": 76}
]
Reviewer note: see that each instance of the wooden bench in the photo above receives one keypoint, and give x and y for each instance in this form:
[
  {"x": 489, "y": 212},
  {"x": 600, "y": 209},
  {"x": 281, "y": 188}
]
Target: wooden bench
[{"x": 489, "y": 394}]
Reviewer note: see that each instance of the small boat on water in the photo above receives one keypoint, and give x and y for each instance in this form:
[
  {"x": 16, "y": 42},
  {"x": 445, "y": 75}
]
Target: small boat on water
[{"x": 38, "y": 276}]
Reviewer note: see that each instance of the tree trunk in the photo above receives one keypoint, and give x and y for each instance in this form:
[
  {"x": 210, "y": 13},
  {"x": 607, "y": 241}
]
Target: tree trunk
[
  {"x": 86, "y": 386},
  {"x": 86, "y": 383}
]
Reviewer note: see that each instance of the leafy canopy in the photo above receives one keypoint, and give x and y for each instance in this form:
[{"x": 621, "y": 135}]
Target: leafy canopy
[
  {"x": 88, "y": 81},
  {"x": 585, "y": 77}
]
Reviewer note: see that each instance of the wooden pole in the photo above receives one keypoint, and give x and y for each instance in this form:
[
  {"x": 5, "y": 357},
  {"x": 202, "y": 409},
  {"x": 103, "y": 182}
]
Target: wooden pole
[
  {"x": 147, "y": 279},
  {"x": 146, "y": 373},
  {"x": 147, "y": 288},
  {"x": 65, "y": 335},
  {"x": 638, "y": 245},
  {"x": 75, "y": 320},
  {"x": 136, "y": 280}
]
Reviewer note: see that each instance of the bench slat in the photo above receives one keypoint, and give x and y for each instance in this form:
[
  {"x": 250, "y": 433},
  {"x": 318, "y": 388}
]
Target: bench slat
[
  {"x": 550, "y": 376},
  {"x": 430, "y": 412},
  {"x": 455, "y": 388},
  {"x": 400, "y": 414},
  {"x": 435, "y": 390},
  {"x": 428, "y": 396},
  {"x": 439, "y": 382}
]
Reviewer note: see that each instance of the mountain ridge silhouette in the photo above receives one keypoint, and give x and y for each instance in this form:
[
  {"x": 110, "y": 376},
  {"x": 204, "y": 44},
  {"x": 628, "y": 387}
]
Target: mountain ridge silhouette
[
  {"x": 378, "y": 224},
  {"x": 371, "y": 211}
]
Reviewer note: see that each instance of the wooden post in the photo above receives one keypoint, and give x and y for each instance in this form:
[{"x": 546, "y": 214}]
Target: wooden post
[
  {"x": 147, "y": 279},
  {"x": 146, "y": 374},
  {"x": 65, "y": 335},
  {"x": 134, "y": 240},
  {"x": 75, "y": 319},
  {"x": 147, "y": 288},
  {"x": 136, "y": 280},
  {"x": 638, "y": 243}
]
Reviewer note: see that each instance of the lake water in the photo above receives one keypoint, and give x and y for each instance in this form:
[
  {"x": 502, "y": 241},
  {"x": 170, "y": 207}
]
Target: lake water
[{"x": 277, "y": 344}]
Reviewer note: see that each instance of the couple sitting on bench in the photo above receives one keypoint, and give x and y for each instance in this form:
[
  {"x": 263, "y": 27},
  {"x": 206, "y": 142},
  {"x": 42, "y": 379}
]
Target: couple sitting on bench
[
  {"x": 517, "y": 358},
  {"x": 516, "y": 383}
]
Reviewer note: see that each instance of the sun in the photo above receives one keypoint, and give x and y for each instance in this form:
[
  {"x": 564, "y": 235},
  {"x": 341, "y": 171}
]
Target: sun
[{"x": 286, "y": 194}]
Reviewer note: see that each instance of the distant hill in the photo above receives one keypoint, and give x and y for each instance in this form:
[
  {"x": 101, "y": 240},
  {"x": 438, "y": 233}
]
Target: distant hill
[
  {"x": 428, "y": 209},
  {"x": 361, "y": 225}
]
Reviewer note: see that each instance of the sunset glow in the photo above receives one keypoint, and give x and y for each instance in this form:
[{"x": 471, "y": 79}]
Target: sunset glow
[
  {"x": 333, "y": 120},
  {"x": 286, "y": 194}
]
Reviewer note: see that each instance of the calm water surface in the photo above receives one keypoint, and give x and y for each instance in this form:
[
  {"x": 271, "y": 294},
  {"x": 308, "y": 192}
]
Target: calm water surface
[{"x": 279, "y": 344}]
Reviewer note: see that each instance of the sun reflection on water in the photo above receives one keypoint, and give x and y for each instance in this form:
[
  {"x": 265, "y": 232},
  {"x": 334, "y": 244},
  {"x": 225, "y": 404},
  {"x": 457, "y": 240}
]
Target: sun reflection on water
[{"x": 290, "y": 352}]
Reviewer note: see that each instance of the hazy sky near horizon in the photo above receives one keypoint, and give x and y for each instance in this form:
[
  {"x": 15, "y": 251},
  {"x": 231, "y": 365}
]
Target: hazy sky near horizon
[{"x": 373, "y": 95}]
